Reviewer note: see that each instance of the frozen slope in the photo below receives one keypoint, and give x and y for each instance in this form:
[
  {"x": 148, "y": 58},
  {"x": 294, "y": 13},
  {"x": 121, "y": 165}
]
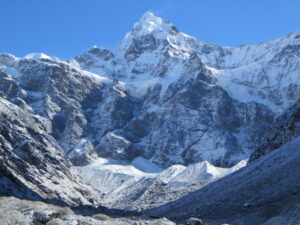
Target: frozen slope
[
  {"x": 124, "y": 184},
  {"x": 265, "y": 190},
  {"x": 267, "y": 73}
]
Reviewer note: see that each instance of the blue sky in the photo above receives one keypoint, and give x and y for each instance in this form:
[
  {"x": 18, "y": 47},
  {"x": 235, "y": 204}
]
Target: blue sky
[{"x": 66, "y": 28}]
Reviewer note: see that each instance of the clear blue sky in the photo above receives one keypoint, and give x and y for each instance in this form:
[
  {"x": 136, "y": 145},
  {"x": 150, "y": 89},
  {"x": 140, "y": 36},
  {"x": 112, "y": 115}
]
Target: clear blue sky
[{"x": 66, "y": 28}]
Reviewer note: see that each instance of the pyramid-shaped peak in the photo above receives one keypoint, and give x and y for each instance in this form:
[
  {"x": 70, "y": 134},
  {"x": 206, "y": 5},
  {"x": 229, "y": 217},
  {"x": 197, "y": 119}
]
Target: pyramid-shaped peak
[
  {"x": 151, "y": 17},
  {"x": 149, "y": 23}
]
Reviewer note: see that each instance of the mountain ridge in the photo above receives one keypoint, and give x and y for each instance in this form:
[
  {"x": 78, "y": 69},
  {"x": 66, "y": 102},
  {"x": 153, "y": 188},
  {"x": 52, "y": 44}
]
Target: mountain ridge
[
  {"x": 160, "y": 119},
  {"x": 148, "y": 71}
]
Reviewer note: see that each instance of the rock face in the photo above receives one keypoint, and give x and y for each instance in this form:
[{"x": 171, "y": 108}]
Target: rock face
[
  {"x": 32, "y": 165},
  {"x": 284, "y": 130}
]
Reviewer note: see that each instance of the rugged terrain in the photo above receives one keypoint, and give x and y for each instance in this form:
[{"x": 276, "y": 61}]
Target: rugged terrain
[
  {"x": 161, "y": 118},
  {"x": 16, "y": 211},
  {"x": 265, "y": 192}
]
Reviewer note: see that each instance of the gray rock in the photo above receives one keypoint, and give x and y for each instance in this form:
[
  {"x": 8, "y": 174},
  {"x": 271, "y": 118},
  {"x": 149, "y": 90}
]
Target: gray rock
[
  {"x": 32, "y": 165},
  {"x": 82, "y": 153},
  {"x": 285, "y": 129},
  {"x": 24, "y": 212}
]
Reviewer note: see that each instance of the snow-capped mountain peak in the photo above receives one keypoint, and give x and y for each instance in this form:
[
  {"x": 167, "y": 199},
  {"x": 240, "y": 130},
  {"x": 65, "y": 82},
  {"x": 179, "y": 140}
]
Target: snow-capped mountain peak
[
  {"x": 151, "y": 44},
  {"x": 152, "y": 33},
  {"x": 150, "y": 23}
]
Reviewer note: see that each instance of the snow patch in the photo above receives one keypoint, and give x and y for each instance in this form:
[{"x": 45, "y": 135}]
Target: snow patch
[
  {"x": 145, "y": 165},
  {"x": 11, "y": 71},
  {"x": 39, "y": 56},
  {"x": 107, "y": 175}
]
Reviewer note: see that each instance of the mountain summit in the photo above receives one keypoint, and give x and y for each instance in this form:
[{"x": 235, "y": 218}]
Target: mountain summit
[{"x": 150, "y": 23}]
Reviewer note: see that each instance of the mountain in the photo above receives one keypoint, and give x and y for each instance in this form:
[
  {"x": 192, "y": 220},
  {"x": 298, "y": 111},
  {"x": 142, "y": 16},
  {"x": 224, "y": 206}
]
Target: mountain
[
  {"x": 161, "y": 116},
  {"x": 229, "y": 95}
]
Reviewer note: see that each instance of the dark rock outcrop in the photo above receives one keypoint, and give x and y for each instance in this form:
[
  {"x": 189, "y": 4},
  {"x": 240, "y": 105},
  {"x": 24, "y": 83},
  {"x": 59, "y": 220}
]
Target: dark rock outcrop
[
  {"x": 32, "y": 165},
  {"x": 286, "y": 128}
]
